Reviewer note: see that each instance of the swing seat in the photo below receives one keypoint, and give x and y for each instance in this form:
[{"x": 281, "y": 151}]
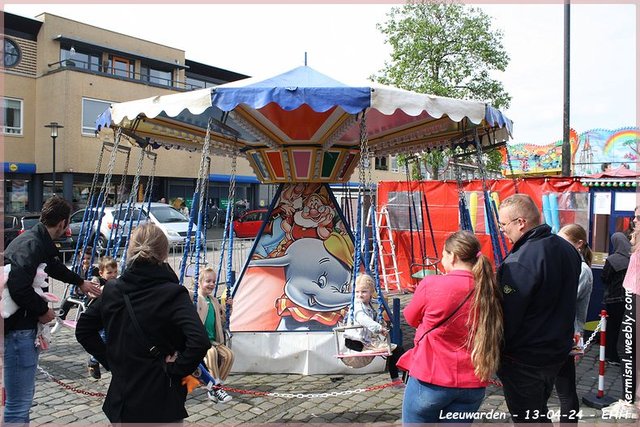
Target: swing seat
[
  {"x": 427, "y": 267},
  {"x": 358, "y": 359}
]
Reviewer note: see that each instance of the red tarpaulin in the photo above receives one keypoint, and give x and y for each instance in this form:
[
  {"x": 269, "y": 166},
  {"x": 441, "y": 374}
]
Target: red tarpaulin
[{"x": 442, "y": 200}]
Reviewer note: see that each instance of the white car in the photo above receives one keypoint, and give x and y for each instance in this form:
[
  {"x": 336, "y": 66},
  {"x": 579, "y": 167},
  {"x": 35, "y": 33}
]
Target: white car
[
  {"x": 110, "y": 223},
  {"x": 173, "y": 223}
]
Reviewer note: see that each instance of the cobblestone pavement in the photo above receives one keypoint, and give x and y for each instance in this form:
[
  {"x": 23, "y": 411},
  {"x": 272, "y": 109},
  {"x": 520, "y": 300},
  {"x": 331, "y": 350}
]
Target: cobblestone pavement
[{"x": 339, "y": 398}]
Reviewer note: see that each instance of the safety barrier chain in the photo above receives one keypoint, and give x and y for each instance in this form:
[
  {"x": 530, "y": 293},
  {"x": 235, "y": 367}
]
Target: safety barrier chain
[
  {"x": 239, "y": 391},
  {"x": 311, "y": 395},
  {"x": 70, "y": 387},
  {"x": 593, "y": 335}
]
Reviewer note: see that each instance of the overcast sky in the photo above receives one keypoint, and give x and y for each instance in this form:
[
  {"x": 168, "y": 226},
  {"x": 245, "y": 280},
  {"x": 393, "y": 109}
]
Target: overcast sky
[{"x": 342, "y": 41}]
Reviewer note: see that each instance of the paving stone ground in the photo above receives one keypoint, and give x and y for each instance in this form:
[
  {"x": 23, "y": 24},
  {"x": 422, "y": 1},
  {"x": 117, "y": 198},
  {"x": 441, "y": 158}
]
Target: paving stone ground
[{"x": 67, "y": 363}]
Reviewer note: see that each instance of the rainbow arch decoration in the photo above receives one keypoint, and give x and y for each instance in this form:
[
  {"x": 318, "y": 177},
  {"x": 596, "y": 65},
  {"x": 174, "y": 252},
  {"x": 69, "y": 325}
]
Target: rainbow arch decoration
[
  {"x": 590, "y": 151},
  {"x": 621, "y": 137}
]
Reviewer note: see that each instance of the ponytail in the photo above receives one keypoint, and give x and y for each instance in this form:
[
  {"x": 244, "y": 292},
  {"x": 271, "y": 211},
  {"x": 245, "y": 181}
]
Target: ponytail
[{"x": 485, "y": 320}]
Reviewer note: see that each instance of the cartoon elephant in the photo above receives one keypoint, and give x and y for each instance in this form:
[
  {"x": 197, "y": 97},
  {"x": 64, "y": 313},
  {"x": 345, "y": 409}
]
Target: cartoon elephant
[{"x": 317, "y": 282}]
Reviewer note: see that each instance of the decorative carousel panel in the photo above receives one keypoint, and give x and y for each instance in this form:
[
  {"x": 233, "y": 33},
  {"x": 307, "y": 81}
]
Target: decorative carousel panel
[
  {"x": 302, "y": 163},
  {"x": 309, "y": 164}
]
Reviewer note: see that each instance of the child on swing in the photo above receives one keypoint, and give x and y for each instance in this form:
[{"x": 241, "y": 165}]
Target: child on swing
[
  {"x": 219, "y": 358},
  {"x": 372, "y": 336}
]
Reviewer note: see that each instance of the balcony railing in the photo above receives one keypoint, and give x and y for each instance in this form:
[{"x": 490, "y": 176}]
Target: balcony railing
[{"x": 121, "y": 74}]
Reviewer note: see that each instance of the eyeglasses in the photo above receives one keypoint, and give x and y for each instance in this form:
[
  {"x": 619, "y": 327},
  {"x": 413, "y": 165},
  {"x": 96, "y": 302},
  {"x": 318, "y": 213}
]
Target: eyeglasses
[{"x": 503, "y": 225}]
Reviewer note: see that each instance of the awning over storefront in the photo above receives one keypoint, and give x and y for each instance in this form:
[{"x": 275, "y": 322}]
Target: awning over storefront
[{"x": 13, "y": 167}]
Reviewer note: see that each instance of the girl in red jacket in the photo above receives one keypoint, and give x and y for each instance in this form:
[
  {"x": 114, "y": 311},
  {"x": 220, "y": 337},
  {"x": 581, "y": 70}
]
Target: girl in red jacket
[{"x": 456, "y": 350}]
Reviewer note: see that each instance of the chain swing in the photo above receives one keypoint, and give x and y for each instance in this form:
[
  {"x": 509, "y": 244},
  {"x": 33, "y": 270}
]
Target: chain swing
[
  {"x": 120, "y": 197},
  {"x": 195, "y": 215},
  {"x": 360, "y": 359},
  {"x": 128, "y": 213},
  {"x": 146, "y": 199},
  {"x": 490, "y": 208}
]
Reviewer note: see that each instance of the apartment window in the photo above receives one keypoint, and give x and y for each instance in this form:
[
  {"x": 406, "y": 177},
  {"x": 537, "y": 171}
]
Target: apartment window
[
  {"x": 12, "y": 124},
  {"x": 91, "y": 109},
  {"x": 72, "y": 57},
  {"x": 156, "y": 76},
  {"x": 394, "y": 164},
  {"x": 381, "y": 164},
  {"x": 119, "y": 66}
]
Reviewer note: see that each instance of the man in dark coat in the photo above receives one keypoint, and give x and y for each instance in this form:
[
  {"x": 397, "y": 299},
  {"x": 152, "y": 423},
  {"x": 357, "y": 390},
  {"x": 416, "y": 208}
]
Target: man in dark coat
[
  {"x": 539, "y": 281},
  {"x": 24, "y": 254}
]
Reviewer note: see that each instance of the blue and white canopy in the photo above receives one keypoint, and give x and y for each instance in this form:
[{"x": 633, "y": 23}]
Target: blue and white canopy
[{"x": 303, "y": 108}]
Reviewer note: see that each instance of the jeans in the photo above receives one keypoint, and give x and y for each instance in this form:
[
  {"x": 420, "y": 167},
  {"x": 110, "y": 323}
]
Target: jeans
[
  {"x": 527, "y": 389},
  {"x": 20, "y": 362},
  {"x": 429, "y": 403},
  {"x": 566, "y": 388}
]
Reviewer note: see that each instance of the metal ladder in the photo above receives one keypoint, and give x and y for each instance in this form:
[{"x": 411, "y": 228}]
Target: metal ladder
[{"x": 386, "y": 251}]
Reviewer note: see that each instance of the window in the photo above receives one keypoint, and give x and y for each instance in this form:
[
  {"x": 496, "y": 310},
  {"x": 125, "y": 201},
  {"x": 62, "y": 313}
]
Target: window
[
  {"x": 119, "y": 66},
  {"x": 91, "y": 109},
  {"x": 156, "y": 76},
  {"x": 394, "y": 164},
  {"x": 381, "y": 164},
  {"x": 12, "y": 116},
  {"x": 11, "y": 53},
  {"x": 71, "y": 57},
  {"x": 195, "y": 83}
]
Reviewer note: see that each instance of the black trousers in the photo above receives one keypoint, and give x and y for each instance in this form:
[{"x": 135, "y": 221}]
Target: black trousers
[
  {"x": 392, "y": 359},
  {"x": 566, "y": 388},
  {"x": 527, "y": 389},
  {"x": 614, "y": 321}
]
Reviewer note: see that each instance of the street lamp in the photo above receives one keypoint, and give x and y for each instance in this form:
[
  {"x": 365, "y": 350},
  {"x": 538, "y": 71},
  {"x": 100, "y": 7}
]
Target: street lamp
[{"x": 54, "y": 126}]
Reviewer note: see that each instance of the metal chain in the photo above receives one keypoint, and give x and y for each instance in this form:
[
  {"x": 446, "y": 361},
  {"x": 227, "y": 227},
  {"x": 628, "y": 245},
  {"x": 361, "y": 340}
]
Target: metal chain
[
  {"x": 593, "y": 335},
  {"x": 70, "y": 387},
  {"x": 311, "y": 395},
  {"x": 123, "y": 181},
  {"x": 240, "y": 391}
]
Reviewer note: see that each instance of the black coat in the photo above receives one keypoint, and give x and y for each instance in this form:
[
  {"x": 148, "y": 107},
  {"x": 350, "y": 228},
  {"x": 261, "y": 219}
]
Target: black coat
[
  {"x": 143, "y": 388},
  {"x": 539, "y": 281},
  {"x": 25, "y": 253}
]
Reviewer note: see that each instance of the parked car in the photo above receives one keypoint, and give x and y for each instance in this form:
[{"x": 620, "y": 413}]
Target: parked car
[
  {"x": 173, "y": 223},
  {"x": 112, "y": 221},
  {"x": 248, "y": 224},
  {"x": 17, "y": 223}
]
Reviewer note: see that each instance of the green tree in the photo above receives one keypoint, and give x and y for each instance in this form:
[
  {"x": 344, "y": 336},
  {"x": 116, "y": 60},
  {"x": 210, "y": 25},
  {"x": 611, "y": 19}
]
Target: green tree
[{"x": 444, "y": 49}]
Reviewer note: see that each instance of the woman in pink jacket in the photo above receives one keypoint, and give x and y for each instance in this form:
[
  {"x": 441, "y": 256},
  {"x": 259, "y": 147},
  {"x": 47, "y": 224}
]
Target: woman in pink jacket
[{"x": 456, "y": 350}]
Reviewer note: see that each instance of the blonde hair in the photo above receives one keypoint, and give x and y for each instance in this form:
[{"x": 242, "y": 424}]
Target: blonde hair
[
  {"x": 523, "y": 206},
  {"x": 485, "y": 316},
  {"x": 105, "y": 262},
  {"x": 575, "y": 233},
  {"x": 366, "y": 280},
  {"x": 148, "y": 243}
]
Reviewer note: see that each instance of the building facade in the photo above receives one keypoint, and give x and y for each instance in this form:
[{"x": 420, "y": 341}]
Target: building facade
[{"x": 59, "y": 70}]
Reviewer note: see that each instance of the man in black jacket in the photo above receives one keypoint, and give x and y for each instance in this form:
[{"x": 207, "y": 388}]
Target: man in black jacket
[
  {"x": 25, "y": 253},
  {"x": 539, "y": 281}
]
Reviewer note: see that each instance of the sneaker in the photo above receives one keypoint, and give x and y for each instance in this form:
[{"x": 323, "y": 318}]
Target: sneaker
[
  {"x": 212, "y": 397},
  {"x": 222, "y": 395},
  {"x": 94, "y": 370},
  {"x": 620, "y": 409}
]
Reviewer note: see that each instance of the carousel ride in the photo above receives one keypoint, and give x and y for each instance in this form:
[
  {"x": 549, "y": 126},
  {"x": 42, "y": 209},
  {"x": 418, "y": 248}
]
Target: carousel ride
[{"x": 302, "y": 130}]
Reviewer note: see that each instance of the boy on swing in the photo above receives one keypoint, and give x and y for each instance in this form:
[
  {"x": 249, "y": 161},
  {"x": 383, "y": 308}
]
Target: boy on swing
[{"x": 372, "y": 336}]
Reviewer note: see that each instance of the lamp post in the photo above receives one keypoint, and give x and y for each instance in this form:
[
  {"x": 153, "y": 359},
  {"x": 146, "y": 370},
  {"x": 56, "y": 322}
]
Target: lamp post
[{"x": 54, "y": 126}]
